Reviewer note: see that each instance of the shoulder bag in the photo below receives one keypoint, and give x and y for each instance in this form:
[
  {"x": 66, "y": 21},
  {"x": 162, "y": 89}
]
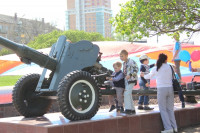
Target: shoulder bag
[{"x": 175, "y": 82}]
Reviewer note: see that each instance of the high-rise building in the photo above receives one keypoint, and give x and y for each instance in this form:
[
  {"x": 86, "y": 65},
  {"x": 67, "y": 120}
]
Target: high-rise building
[{"x": 89, "y": 16}]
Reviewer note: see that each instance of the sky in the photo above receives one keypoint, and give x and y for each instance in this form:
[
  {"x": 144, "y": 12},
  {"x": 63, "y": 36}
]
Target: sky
[{"x": 53, "y": 11}]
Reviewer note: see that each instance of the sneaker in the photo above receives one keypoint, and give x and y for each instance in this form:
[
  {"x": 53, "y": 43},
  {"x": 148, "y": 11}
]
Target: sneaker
[
  {"x": 183, "y": 104},
  {"x": 148, "y": 108},
  {"x": 168, "y": 131},
  {"x": 176, "y": 130},
  {"x": 116, "y": 103},
  {"x": 120, "y": 109},
  {"x": 129, "y": 112},
  {"x": 133, "y": 111},
  {"x": 140, "y": 107},
  {"x": 112, "y": 108}
]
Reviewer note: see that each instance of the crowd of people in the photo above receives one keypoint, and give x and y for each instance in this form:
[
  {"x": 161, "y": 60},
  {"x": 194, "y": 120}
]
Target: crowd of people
[{"x": 123, "y": 81}]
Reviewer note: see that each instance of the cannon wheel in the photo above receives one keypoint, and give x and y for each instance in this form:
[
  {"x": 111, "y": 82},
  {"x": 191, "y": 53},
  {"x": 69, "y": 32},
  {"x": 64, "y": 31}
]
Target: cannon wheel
[
  {"x": 79, "y": 97},
  {"x": 23, "y": 97}
]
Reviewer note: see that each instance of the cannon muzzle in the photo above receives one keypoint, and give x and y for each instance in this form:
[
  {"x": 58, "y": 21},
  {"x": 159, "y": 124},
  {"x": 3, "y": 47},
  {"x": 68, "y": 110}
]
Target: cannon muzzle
[{"x": 28, "y": 55}]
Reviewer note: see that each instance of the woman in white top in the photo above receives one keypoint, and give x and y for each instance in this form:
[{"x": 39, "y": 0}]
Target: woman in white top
[{"x": 165, "y": 93}]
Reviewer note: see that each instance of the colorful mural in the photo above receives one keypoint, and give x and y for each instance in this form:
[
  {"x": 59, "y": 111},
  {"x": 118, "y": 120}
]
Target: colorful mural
[{"x": 110, "y": 55}]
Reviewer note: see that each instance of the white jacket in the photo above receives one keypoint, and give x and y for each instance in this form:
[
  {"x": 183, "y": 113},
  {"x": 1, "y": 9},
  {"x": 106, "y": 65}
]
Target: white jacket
[{"x": 163, "y": 75}]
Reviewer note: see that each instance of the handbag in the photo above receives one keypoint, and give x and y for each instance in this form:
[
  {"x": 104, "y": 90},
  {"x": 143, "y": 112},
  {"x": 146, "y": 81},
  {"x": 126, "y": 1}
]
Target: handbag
[{"x": 175, "y": 82}]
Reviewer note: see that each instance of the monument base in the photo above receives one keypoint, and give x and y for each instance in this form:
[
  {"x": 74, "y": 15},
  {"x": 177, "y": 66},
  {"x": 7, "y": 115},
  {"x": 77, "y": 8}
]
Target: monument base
[{"x": 102, "y": 122}]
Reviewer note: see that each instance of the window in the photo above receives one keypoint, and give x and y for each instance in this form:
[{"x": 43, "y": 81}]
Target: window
[{"x": 1, "y": 28}]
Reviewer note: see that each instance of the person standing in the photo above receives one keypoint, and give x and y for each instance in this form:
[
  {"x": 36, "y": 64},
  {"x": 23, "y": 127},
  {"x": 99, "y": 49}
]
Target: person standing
[
  {"x": 144, "y": 83},
  {"x": 177, "y": 61},
  {"x": 130, "y": 70},
  {"x": 176, "y": 50},
  {"x": 118, "y": 85},
  {"x": 165, "y": 92}
]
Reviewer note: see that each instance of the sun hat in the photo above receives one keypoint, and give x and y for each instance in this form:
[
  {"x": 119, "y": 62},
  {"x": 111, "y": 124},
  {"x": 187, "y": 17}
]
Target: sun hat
[{"x": 144, "y": 56}]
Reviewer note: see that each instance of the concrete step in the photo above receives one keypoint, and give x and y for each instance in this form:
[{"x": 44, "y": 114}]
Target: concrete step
[{"x": 102, "y": 122}]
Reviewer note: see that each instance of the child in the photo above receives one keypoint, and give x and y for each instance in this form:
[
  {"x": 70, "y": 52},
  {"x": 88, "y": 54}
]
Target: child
[
  {"x": 130, "y": 70},
  {"x": 144, "y": 83},
  {"x": 118, "y": 83},
  {"x": 180, "y": 94}
]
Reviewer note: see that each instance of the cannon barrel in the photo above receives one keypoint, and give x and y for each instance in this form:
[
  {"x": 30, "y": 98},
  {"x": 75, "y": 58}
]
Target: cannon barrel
[{"x": 28, "y": 55}]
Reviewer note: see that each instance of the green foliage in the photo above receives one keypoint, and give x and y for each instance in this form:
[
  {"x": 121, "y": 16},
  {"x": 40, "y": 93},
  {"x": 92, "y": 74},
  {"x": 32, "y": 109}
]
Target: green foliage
[
  {"x": 175, "y": 35},
  {"x": 9, "y": 80},
  {"x": 5, "y": 51},
  {"x": 109, "y": 39},
  {"x": 46, "y": 40},
  {"x": 144, "y": 18},
  {"x": 119, "y": 37}
]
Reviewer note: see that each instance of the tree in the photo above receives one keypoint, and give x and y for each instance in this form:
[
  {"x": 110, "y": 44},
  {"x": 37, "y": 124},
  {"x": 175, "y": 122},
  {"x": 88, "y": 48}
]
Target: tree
[
  {"x": 47, "y": 40},
  {"x": 145, "y": 18}
]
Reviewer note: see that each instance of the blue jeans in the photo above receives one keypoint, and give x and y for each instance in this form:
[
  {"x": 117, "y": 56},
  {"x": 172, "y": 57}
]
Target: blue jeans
[{"x": 143, "y": 99}]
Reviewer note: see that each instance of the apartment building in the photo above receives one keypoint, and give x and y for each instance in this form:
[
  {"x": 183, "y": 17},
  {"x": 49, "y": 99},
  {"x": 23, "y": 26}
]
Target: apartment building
[
  {"x": 22, "y": 30},
  {"x": 89, "y": 16}
]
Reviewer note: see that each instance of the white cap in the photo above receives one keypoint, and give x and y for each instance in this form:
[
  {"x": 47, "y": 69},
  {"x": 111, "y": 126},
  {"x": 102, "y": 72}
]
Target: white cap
[{"x": 144, "y": 56}]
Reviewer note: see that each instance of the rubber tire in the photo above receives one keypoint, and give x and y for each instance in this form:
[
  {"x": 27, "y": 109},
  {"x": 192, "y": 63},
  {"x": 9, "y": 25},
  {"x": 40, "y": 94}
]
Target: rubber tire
[
  {"x": 63, "y": 96},
  {"x": 23, "y": 89}
]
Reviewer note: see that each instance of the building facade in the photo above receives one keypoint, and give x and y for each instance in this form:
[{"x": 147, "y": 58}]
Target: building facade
[
  {"x": 22, "y": 30},
  {"x": 89, "y": 16}
]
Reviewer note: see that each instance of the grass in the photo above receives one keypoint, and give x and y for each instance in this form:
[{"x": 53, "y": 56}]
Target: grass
[{"x": 9, "y": 80}]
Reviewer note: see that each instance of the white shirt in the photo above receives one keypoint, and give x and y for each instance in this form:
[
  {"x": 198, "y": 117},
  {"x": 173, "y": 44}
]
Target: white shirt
[{"x": 163, "y": 75}]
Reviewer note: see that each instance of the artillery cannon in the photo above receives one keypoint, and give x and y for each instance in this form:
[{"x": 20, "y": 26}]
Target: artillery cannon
[{"x": 75, "y": 80}]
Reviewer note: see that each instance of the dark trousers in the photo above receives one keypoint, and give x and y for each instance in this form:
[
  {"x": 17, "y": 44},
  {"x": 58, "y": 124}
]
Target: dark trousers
[{"x": 180, "y": 94}]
